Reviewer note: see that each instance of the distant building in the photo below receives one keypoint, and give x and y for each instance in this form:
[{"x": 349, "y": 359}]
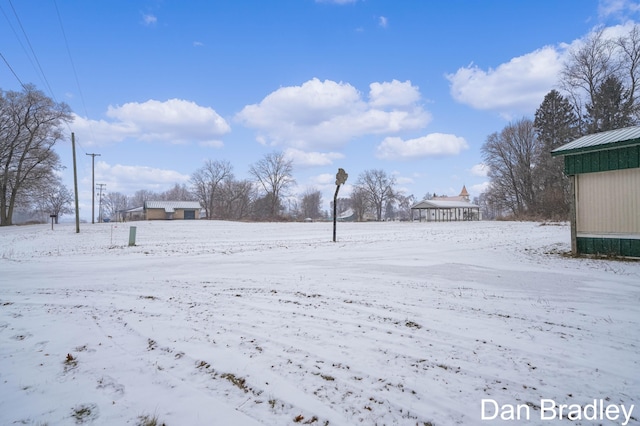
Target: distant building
[
  {"x": 604, "y": 170},
  {"x": 128, "y": 215},
  {"x": 447, "y": 209},
  {"x": 170, "y": 210}
]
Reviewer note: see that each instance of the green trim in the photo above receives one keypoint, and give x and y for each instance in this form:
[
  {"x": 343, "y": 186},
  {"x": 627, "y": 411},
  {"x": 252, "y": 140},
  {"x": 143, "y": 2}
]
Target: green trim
[
  {"x": 609, "y": 246},
  {"x": 610, "y": 145},
  {"x": 627, "y": 157}
]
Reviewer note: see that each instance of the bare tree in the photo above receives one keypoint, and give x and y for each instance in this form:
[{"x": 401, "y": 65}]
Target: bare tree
[
  {"x": 207, "y": 179},
  {"x": 510, "y": 156},
  {"x": 57, "y": 199},
  {"x": 234, "y": 199},
  {"x": 377, "y": 188},
  {"x": 114, "y": 205},
  {"x": 311, "y": 203},
  {"x": 274, "y": 175},
  {"x": 138, "y": 199},
  {"x": 30, "y": 126},
  {"x": 587, "y": 68},
  {"x": 358, "y": 202},
  {"x": 404, "y": 205},
  {"x": 629, "y": 48},
  {"x": 178, "y": 193},
  {"x": 598, "y": 60}
]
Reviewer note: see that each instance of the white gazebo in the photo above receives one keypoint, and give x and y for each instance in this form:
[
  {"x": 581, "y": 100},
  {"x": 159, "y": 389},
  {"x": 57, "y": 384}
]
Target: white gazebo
[{"x": 445, "y": 210}]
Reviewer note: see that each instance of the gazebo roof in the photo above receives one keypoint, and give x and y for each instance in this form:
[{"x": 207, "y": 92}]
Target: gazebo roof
[{"x": 443, "y": 204}]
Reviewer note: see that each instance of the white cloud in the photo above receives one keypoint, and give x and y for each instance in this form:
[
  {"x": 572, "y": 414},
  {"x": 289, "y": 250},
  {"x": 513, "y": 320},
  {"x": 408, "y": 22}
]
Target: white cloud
[
  {"x": 212, "y": 144},
  {"x": 175, "y": 121},
  {"x": 404, "y": 180},
  {"x": 518, "y": 86},
  {"x": 128, "y": 179},
  {"x": 324, "y": 179},
  {"x": 479, "y": 188},
  {"x": 383, "y": 22},
  {"x": 434, "y": 144},
  {"x": 325, "y": 114},
  {"x": 394, "y": 93},
  {"x": 307, "y": 159},
  {"x": 149, "y": 20},
  {"x": 622, "y": 9},
  {"x": 479, "y": 170}
]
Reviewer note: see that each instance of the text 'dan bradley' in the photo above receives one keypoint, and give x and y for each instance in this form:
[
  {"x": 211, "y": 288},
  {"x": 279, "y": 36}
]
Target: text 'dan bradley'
[{"x": 549, "y": 410}]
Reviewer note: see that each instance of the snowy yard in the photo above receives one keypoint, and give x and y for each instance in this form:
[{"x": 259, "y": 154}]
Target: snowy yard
[{"x": 222, "y": 323}]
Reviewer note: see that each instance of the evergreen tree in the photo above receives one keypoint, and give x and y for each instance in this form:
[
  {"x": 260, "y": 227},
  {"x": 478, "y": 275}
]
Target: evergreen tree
[
  {"x": 611, "y": 107},
  {"x": 556, "y": 124}
]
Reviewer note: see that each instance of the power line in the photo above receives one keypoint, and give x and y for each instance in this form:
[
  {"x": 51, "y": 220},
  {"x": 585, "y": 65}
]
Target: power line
[
  {"x": 33, "y": 52},
  {"x": 73, "y": 67},
  {"x": 12, "y": 71},
  {"x": 15, "y": 33}
]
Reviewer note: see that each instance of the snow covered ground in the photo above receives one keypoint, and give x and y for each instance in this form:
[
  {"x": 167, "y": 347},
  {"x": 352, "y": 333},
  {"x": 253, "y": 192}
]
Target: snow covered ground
[{"x": 222, "y": 323}]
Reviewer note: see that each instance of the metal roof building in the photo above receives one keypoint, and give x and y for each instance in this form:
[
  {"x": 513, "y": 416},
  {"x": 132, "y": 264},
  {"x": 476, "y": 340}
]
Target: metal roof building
[
  {"x": 172, "y": 210},
  {"x": 604, "y": 169}
]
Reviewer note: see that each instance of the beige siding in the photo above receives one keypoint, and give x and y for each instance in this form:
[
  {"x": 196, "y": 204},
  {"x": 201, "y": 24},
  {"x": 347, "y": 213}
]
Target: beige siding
[
  {"x": 156, "y": 214},
  {"x": 608, "y": 202}
]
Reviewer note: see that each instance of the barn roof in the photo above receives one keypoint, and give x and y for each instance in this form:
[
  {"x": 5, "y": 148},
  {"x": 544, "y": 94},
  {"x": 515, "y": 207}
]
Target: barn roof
[
  {"x": 599, "y": 141},
  {"x": 171, "y": 206}
]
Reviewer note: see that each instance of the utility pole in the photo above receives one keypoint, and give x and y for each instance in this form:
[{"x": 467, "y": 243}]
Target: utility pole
[
  {"x": 93, "y": 185},
  {"x": 75, "y": 181},
  {"x": 100, "y": 186}
]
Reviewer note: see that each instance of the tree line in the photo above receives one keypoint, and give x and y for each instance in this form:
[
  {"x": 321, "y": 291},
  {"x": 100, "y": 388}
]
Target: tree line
[
  {"x": 599, "y": 89},
  {"x": 267, "y": 195}
]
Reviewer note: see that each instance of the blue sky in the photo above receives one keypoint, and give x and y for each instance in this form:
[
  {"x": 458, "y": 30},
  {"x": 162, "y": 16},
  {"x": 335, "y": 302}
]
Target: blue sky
[{"x": 410, "y": 87}]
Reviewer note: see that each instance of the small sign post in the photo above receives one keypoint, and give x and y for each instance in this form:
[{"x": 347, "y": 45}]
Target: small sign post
[
  {"x": 132, "y": 236},
  {"x": 341, "y": 178},
  {"x": 53, "y": 217}
]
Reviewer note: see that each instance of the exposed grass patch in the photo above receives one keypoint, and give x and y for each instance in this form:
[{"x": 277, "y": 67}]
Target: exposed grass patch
[
  {"x": 148, "y": 420},
  {"x": 70, "y": 362},
  {"x": 239, "y": 382},
  {"x": 299, "y": 419},
  {"x": 84, "y": 413},
  {"x": 412, "y": 324}
]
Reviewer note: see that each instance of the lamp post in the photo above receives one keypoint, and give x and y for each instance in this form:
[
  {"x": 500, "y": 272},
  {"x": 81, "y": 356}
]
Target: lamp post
[{"x": 341, "y": 178}]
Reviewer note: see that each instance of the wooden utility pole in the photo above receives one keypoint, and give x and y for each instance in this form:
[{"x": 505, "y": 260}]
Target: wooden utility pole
[
  {"x": 93, "y": 185},
  {"x": 75, "y": 181}
]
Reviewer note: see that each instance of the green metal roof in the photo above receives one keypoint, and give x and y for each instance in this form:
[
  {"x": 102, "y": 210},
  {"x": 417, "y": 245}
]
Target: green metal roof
[{"x": 599, "y": 141}]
